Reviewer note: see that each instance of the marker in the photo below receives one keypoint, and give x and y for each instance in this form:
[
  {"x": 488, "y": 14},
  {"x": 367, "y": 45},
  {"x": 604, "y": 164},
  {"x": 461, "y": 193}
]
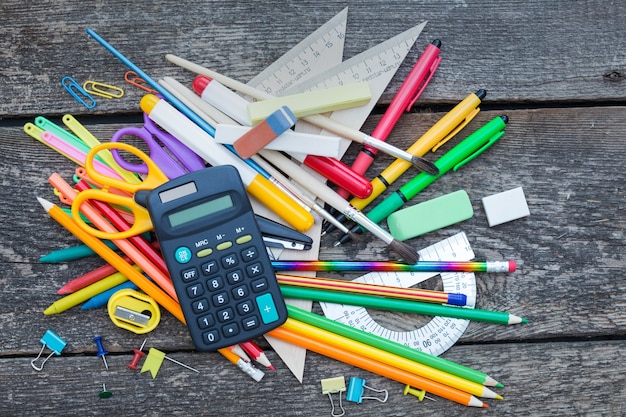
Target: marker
[
  {"x": 233, "y": 105},
  {"x": 454, "y": 159},
  {"x": 407, "y": 94},
  {"x": 171, "y": 120}
]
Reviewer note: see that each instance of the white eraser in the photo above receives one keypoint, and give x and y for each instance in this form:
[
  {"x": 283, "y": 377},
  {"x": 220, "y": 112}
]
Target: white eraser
[{"x": 506, "y": 206}]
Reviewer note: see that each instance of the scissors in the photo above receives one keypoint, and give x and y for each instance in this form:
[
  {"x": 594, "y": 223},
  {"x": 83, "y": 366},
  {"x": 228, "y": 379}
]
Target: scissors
[
  {"x": 109, "y": 193},
  {"x": 156, "y": 139}
]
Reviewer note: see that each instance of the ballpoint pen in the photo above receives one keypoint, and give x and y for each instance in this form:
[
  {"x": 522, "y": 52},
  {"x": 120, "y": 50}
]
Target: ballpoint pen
[
  {"x": 442, "y": 131},
  {"x": 454, "y": 159},
  {"x": 234, "y": 106},
  {"x": 407, "y": 94}
]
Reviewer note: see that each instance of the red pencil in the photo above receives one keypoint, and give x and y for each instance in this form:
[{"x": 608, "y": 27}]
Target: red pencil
[{"x": 256, "y": 353}]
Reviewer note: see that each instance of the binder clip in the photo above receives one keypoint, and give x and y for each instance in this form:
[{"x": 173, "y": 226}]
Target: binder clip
[
  {"x": 53, "y": 342},
  {"x": 356, "y": 388},
  {"x": 332, "y": 386}
]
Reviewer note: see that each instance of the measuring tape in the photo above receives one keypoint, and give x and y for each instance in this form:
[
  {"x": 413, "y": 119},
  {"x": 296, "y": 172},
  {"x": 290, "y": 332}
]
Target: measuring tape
[{"x": 440, "y": 333}]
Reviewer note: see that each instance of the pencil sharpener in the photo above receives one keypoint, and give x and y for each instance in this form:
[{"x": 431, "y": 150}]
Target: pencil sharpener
[{"x": 134, "y": 311}]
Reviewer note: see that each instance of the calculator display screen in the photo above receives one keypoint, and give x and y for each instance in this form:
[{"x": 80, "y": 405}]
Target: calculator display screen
[{"x": 198, "y": 211}]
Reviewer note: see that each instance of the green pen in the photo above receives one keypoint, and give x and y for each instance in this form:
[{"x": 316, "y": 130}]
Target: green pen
[{"x": 461, "y": 154}]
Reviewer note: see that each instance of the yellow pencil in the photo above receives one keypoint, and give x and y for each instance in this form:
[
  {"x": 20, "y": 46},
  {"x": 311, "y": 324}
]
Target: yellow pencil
[
  {"x": 391, "y": 359},
  {"x": 114, "y": 259}
]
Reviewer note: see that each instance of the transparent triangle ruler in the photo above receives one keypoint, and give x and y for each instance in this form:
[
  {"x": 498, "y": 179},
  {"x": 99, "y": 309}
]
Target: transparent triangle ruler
[{"x": 440, "y": 333}]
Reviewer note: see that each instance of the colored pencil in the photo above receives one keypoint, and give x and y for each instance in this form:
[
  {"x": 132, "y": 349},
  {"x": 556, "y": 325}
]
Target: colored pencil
[{"x": 421, "y": 266}]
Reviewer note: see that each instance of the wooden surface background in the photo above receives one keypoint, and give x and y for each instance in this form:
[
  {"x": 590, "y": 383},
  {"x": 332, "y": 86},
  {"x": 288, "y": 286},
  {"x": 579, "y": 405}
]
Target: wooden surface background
[{"x": 555, "y": 68}]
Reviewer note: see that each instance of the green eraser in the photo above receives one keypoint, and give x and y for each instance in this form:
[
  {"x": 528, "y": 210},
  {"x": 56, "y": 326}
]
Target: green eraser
[{"x": 430, "y": 215}]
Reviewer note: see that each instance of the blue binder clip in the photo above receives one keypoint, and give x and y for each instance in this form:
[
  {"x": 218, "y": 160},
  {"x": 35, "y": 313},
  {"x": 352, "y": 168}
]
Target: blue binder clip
[
  {"x": 53, "y": 342},
  {"x": 356, "y": 388}
]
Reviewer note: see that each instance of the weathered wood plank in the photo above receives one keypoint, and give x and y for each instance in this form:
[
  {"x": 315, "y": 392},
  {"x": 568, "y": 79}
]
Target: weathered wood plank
[{"x": 521, "y": 52}]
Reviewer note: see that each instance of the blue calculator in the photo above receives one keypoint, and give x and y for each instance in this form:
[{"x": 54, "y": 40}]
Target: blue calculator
[{"x": 216, "y": 257}]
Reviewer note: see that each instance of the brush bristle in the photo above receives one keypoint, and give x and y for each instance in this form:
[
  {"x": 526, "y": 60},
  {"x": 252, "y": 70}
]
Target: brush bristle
[
  {"x": 406, "y": 252},
  {"x": 425, "y": 165}
]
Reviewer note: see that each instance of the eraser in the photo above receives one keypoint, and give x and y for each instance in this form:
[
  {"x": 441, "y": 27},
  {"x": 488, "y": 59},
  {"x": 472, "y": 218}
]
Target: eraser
[
  {"x": 430, "y": 215},
  {"x": 289, "y": 141},
  {"x": 506, "y": 206},
  {"x": 313, "y": 102},
  {"x": 263, "y": 133}
]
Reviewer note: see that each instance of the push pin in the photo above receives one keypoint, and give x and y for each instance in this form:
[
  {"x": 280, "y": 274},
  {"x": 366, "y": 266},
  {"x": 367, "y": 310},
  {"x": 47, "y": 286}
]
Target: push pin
[
  {"x": 357, "y": 386},
  {"x": 138, "y": 355},
  {"x": 419, "y": 393},
  {"x": 104, "y": 393},
  {"x": 155, "y": 359},
  {"x": 53, "y": 342},
  {"x": 101, "y": 351},
  {"x": 332, "y": 386}
]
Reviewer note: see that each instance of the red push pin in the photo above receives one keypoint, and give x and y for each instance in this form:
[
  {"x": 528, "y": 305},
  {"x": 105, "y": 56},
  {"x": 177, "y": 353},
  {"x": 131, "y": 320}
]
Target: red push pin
[{"x": 138, "y": 355}]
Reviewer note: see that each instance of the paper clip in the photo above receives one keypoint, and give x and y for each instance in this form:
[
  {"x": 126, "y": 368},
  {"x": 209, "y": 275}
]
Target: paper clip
[
  {"x": 78, "y": 92},
  {"x": 53, "y": 342},
  {"x": 102, "y": 90},
  {"x": 138, "y": 82},
  {"x": 332, "y": 386},
  {"x": 357, "y": 386}
]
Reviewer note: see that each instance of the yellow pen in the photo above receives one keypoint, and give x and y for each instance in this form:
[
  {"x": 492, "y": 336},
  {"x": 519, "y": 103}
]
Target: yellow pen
[
  {"x": 441, "y": 132},
  {"x": 171, "y": 120}
]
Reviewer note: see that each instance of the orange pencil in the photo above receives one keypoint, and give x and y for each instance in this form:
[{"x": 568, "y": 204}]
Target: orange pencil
[{"x": 379, "y": 368}]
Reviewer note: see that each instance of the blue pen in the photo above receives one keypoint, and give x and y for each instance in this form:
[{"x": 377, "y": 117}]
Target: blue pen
[
  {"x": 100, "y": 300},
  {"x": 461, "y": 154}
]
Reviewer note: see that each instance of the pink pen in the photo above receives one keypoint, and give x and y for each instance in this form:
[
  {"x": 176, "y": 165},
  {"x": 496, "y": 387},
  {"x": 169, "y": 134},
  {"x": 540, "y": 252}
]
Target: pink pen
[{"x": 407, "y": 94}]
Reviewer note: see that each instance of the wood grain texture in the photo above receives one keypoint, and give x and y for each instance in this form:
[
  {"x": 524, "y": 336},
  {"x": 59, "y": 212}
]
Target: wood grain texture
[{"x": 555, "y": 68}]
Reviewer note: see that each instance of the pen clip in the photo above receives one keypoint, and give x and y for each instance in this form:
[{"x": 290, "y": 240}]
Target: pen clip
[
  {"x": 431, "y": 72},
  {"x": 480, "y": 150},
  {"x": 456, "y": 129}
]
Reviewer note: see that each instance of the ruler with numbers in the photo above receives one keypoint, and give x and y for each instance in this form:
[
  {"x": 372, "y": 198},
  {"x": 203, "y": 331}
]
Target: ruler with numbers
[{"x": 440, "y": 333}]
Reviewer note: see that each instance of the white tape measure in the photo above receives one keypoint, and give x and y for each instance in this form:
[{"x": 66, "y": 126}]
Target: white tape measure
[{"x": 440, "y": 333}]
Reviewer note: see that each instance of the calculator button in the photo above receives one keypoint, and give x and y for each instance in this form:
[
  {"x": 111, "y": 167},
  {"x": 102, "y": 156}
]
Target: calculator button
[
  {"x": 230, "y": 260},
  {"x": 245, "y": 307},
  {"x": 243, "y": 239},
  {"x": 249, "y": 254},
  {"x": 200, "y": 306},
  {"x": 254, "y": 269},
  {"x": 195, "y": 290},
  {"x": 240, "y": 292},
  {"x": 267, "y": 308},
  {"x": 182, "y": 255},
  {"x": 259, "y": 285},
  {"x": 235, "y": 277},
  {"x": 224, "y": 245},
  {"x": 189, "y": 274},
  {"x": 204, "y": 252},
  {"x": 211, "y": 337},
  {"x": 250, "y": 323},
  {"x": 230, "y": 330},
  {"x": 215, "y": 284},
  {"x": 225, "y": 315},
  {"x": 209, "y": 268},
  {"x": 220, "y": 299},
  {"x": 206, "y": 321}
]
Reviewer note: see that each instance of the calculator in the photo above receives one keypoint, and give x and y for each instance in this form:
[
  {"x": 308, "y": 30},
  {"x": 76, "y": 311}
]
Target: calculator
[{"x": 216, "y": 257}]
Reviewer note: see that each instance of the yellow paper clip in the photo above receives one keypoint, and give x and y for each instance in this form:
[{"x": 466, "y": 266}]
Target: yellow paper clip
[
  {"x": 134, "y": 311},
  {"x": 331, "y": 386},
  {"x": 103, "y": 90},
  {"x": 132, "y": 78}
]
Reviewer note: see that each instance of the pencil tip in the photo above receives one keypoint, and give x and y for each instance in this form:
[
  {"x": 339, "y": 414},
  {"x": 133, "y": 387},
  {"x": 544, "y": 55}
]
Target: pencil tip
[
  {"x": 45, "y": 203},
  {"x": 499, "y": 385},
  {"x": 499, "y": 397},
  {"x": 405, "y": 251}
]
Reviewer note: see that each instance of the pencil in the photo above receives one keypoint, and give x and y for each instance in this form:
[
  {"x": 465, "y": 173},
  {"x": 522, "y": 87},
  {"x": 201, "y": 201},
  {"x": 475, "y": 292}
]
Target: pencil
[
  {"x": 360, "y": 361},
  {"x": 415, "y": 294},
  {"x": 414, "y": 307},
  {"x": 393, "y": 347},
  {"x": 114, "y": 259},
  {"x": 420, "y": 266}
]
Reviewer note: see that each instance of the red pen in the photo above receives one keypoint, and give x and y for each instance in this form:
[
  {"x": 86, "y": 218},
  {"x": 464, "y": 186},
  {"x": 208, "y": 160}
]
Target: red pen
[
  {"x": 407, "y": 94},
  {"x": 234, "y": 106}
]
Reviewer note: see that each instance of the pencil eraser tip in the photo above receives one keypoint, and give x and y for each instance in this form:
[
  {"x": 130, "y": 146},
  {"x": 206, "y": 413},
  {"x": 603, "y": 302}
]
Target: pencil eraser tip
[
  {"x": 512, "y": 266},
  {"x": 199, "y": 83}
]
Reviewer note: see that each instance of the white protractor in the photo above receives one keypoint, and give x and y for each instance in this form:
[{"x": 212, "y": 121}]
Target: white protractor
[{"x": 440, "y": 333}]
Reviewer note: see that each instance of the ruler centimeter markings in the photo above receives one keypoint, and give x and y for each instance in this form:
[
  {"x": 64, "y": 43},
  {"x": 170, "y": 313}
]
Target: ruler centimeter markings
[{"x": 440, "y": 333}]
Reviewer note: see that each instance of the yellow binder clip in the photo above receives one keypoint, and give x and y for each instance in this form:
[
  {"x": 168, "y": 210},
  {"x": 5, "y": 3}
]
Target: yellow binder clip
[
  {"x": 134, "y": 311},
  {"x": 332, "y": 386}
]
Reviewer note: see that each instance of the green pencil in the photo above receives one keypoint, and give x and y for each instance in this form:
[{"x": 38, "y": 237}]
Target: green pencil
[
  {"x": 407, "y": 352},
  {"x": 415, "y": 307}
]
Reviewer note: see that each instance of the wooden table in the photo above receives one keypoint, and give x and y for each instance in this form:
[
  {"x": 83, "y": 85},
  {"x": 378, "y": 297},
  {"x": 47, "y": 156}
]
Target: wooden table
[{"x": 556, "y": 68}]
